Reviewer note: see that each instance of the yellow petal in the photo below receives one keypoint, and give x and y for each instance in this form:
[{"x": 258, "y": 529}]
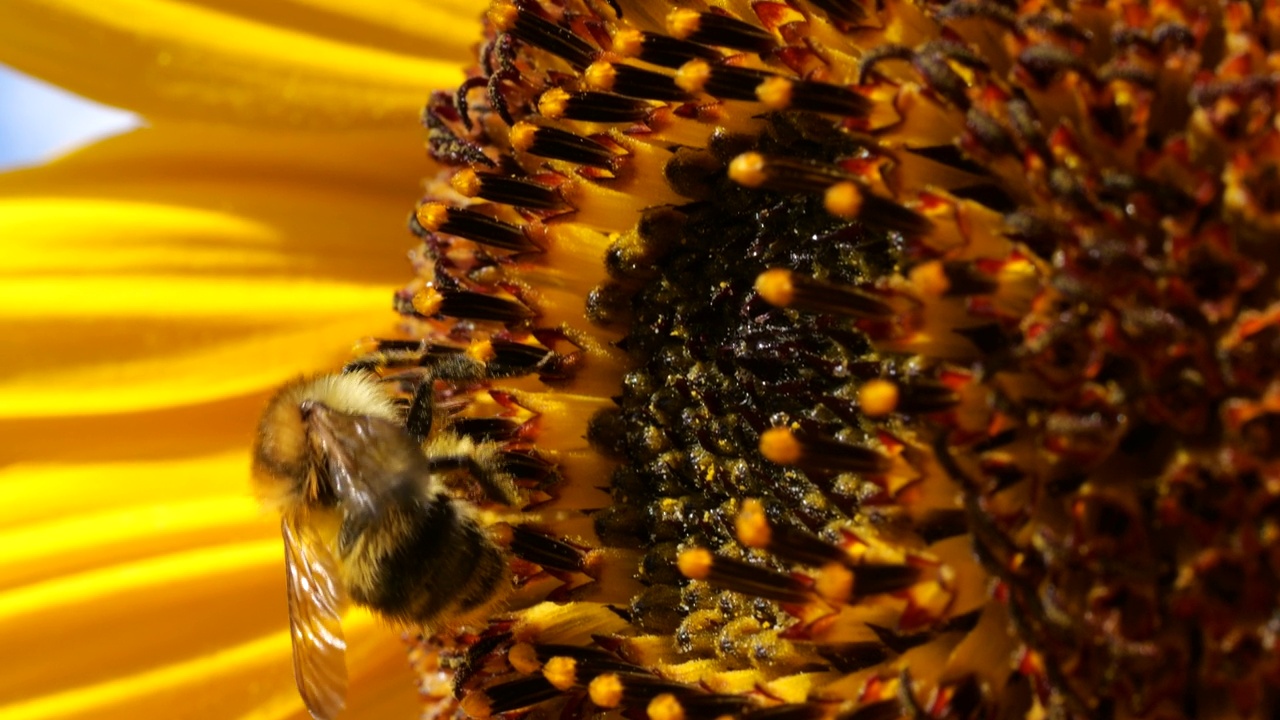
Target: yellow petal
[
  {"x": 154, "y": 272},
  {"x": 158, "y": 600},
  {"x": 412, "y": 28},
  {"x": 174, "y": 59}
]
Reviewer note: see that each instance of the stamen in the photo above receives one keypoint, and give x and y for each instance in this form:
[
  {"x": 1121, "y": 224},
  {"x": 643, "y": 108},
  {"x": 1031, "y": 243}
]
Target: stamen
[
  {"x": 742, "y": 577},
  {"x": 506, "y": 190},
  {"x": 783, "y": 288},
  {"x": 560, "y": 144},
  {"x": 850, "y": 657},
  {"x": 469, "y": 305},
  {"x": 753, "y": 170},
  {"x": 630, "y": 689},
  {"x": 780, "y": 93},
  {"x": 661, "y": 50},
  {"x": 633, "y": 82},
  {"x": 474, "y": 226},
  {"x": 848, "y": 200},
  {"x": 785, "y": 542},
  {"x": 942, "y": 524},
  {"x": 722, "y": 30},
  {"x": 878, "y": 398},
  {"x": 592, "y": 106},
  {"x": 790, "y": 711},
  {"x": 781, "y": 446},
  {"x": 508, "y": 696},
  {"x": 542, "y": 33},
  {"x": 545, "y": 550},
  {"x": 727, "y": 82},
  {"x": 883, "y": 710},
  {"x": 845, "y": 11}
]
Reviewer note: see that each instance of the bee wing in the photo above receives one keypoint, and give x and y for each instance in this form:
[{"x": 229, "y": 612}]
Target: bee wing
[{"x": 315, "y": 620}]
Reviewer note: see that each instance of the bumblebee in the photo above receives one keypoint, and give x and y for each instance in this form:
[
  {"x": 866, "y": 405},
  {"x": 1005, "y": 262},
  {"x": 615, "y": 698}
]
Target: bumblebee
[{"x": 367, "y": 516}]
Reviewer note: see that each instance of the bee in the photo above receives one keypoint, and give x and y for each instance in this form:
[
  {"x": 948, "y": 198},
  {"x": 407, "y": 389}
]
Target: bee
[{"x": 367, "y": 516}]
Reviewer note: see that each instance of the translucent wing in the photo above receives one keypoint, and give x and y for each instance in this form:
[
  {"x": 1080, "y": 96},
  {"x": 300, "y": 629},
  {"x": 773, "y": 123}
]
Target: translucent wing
[{"x": 315, "y": 620}]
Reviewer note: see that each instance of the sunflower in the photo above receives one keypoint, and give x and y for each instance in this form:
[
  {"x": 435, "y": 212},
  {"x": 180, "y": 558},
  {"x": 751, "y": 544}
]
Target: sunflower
[{"x": 852, "y": 361}]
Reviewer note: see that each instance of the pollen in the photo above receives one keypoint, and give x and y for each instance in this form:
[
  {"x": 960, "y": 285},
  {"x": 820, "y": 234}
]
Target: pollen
[{"x": 859, "y": 360}]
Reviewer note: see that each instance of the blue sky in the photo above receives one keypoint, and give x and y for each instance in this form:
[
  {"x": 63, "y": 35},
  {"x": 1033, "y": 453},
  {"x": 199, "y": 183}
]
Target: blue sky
[{"x": 38, "y": 121}]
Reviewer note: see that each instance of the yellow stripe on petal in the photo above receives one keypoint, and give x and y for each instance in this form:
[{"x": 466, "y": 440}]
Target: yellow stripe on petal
[
  {"x": 250, "y": 681},
  {"x": 68, "y": 545},
  {"x": 413, "y": 28},
  {"x": 155, "y": 272},
  {"x": 172, "y": 59},
  {"x": 33, "y": 493}
]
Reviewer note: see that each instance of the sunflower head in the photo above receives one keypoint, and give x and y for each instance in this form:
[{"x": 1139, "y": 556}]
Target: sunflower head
[{"x": 861, "y": 361}]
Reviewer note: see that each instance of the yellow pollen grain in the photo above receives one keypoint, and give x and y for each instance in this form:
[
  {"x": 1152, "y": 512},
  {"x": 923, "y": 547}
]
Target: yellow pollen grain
[
  {"x": 481, "y": 351},
  {"x": 628, "y": 42},
  {"x": 561, "y": 672},
  {"x": 524, "y": 658},
  {"x": 775, "y": 93},
  {"x": 466, "y": 182},
  {"x": 476, "y": 705},
  {"x": 878, "y": 398},
  {"x": 428, "y": 301},
  {"x": 665, "y": 707},
  {"x": 522, "y": 135},
  {"x": 776, "y": 287},
  {"x": 930, "y": 279},
  {"x": 752, "y": 526},
  {"x": 553, "y": 102},
  {"x": 503, "y": 16},
  {"x": 693, "y": 75},
  {"x": 748, "y": 170},
  {"x": 834, "y": 583},
  {"x": 682, "y": 23},
  {"x": 780, "y": 446},
  {"x": 600, "y": 75},
  {"x": 695, "y": 564},
  {"x": 432, "y": 215},
  {"x": 843, "y": 200},
  {"x": 606, "y": 690}
]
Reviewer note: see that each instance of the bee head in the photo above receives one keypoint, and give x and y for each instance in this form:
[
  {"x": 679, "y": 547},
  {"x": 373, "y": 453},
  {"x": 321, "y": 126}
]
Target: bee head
[{"x": 288, "y": 466}]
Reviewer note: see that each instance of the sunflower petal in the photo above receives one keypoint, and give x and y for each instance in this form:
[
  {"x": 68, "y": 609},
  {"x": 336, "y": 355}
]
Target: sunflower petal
[
  {"x": 137, "y": 286},
  {"x": 173, "y": 59}
]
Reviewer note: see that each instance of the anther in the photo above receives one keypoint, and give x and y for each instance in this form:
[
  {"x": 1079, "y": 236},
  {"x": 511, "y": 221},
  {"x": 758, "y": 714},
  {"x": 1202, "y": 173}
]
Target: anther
[
  {"x": 515, "y": 694},
  {"x": 545, "y": 550},
  {"x": 665, "y": 707},
  {"x": 470, "y": 305},
  {"x": 542, "y": 33},
  {"x": 615, "y": 689},
  {"x": 742, "y": 577},
  {"x": 846, "y": 11},
  {"x": 780, "y": 93},
  {"x": 524, "y": 658},
  {"x": 721, "y": 30},
  {"x": 633, "y": 82},
  {"x": 560, "y": 144},
  {"x": 592, "y": 106},
  {"x": 474, "y": 226},
  {"x": 791, "y": 544},
  {"x": 561, "y": 672},
  {"x": 754, "y": 170},
  {"x": 781, "y": 446},
  {"x": 917, "y": 395},
  {"x": 661, "y": 50},
  {"x": 850, "y": 657},
  {"x": 848, "y": 200},
  {"x": 506, "y": 190},
  {"x": 786, "y": 289},
  {"x": 726, "y": 82}
]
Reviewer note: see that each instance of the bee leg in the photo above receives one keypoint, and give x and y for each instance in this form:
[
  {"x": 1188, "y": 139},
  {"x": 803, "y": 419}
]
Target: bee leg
[
  {"x": 483, "y": 466},
  {"x": 455, "y": 368}
]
